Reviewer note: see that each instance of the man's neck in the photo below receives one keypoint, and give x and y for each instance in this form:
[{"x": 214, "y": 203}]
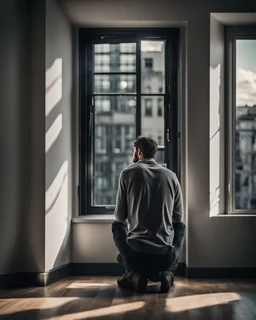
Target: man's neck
[{"x": 143, "y": 159}]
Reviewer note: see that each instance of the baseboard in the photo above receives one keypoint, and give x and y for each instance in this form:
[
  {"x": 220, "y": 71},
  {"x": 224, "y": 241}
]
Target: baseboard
[
  {"x": 97, "y": 269},
  {"x": 34, "y": 279},
  {"x": 21, "y": 279},
  {"x": 211, "y": 273},
  {"x": 40, "y": 279},
  {"x": 57, "y": 274},
  {"x": 109, "y": 269}
]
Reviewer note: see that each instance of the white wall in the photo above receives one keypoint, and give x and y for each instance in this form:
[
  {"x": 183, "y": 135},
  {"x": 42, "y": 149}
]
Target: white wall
[
  {"x": 13, "y": 135},
  {"x": 58, "y": 162},
  {"x": 22, "y": 136},
  {"x": 26, "y": 172},
  {"x": 210, "y": 242},
  {"x": 34, "y": 39}
]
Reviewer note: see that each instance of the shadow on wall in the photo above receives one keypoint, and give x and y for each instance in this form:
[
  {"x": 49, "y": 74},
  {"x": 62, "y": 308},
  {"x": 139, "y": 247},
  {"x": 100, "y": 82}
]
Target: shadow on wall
[{"x": 57, "y": 193}]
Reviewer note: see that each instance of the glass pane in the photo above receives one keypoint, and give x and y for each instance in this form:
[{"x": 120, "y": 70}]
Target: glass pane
[
  {"x": 114, "y": 133},
  {"x": 152, "y": 118},
  {"x": 152, "y": 67},
  {"x": 114, "y": 83},
  {"x": 160, "y": 157},
  {"x": 245, "y": 146},
  {"x": 115, "y": 57}
]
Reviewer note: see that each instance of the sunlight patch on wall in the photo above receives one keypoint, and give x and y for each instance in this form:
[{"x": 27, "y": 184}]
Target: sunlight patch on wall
[
  {"x": 56, "y": 207},
  {"x": 53, "y": 85},
  {"x": 214, "y": 140},
  {"x": 53, "y": 132}
]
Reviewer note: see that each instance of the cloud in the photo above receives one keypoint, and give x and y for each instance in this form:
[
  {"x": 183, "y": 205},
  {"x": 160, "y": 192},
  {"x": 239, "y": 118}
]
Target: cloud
[{"x": 246, "y": 87}]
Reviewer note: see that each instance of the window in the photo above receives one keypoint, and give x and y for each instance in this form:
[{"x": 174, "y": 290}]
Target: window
[
  {"x": 242, "y": 125},
  {"x": 148, "y": 107},
  {"x": 159, "y": 107},
  {"x": 148, "y": 89},
  {"x": 120, "y": 100},
  {"x": 149, "y": 64},
  {"x": 160, "y": 140}
]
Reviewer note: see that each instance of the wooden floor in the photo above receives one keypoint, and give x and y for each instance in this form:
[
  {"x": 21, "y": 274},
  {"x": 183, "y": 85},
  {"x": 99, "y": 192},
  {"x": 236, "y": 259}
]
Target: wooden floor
[{"x": 100, "y": 298}]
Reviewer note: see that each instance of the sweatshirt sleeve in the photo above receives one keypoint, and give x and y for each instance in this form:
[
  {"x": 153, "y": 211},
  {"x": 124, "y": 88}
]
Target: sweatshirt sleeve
[
  {"x": 178, "y": 210},
  {"x": 121, "y": 200}
]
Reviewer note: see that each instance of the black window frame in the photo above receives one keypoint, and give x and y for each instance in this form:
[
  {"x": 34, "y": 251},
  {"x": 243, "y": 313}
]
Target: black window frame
[
  {"x": 86, "y": 38},
  {"x": 233, "y": 33}
]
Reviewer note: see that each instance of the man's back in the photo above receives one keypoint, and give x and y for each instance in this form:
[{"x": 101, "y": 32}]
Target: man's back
[{"x": 149, "y": 196}]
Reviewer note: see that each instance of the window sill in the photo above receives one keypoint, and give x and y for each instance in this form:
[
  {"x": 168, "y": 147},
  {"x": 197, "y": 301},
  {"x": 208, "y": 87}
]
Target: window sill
[
  {"x": 237, "y": 215},
  {"x": 94, "y": 218}
]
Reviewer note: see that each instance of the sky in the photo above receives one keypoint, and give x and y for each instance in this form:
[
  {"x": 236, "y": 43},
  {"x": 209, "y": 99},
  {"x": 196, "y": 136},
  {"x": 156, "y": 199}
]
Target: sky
[{"x": 246, "y": 72}]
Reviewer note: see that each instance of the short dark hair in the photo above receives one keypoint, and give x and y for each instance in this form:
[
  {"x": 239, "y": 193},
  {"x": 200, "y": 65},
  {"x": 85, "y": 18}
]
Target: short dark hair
[{"x": 147, "y": 145}]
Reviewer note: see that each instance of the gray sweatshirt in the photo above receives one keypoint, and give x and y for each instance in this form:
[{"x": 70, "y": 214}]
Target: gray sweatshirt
[{"x": 149, "y": 197}]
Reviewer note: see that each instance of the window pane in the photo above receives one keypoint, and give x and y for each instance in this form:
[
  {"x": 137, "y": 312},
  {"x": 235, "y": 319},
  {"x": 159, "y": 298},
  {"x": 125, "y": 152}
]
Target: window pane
[
  {"x": 114, "y": 133},
  {"x": 245, "y": 142},
  {"x": 121, "y": 106},
  {"x": 115, "y": 57},
  {"x": 160, "y": 157},
  {"x": 152, "y": 67},
  {"x": 114, "y": 84},
  {"x": 152, "y": 121}
]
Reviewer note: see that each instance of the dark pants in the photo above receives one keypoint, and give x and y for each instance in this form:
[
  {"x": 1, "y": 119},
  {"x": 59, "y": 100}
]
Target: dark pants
[{"x": 148, "y": 264}]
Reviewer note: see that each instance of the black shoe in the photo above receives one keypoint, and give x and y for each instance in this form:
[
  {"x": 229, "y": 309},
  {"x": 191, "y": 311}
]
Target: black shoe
[
  {"x": 140, "y": 282},
  {"x": 133, "y": 280},
  {"x": 167, "y": 279},
  {"x": 125, "y": 281}
]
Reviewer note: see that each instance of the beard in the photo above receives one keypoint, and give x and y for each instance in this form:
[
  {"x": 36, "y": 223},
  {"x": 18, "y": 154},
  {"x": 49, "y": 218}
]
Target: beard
[{"x": 135, "y": 157}]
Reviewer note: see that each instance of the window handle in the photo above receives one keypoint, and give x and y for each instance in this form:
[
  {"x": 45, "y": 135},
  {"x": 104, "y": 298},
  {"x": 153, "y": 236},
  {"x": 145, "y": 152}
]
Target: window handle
[
  {"x": 91, "y": 115},
  {"x": 168, "y": 135}
]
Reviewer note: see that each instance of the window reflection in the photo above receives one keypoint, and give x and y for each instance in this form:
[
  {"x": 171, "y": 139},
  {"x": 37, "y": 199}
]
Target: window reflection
[
  {"x": 152, "y": 121},
  {"x": 115, "y": 111},
  {"x": 245, "y": 149},
  {"x": 152, "y": 66}
]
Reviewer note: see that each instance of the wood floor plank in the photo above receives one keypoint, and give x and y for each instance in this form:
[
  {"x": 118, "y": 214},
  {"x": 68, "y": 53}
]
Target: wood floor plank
[{"x": 98, "y": 298}]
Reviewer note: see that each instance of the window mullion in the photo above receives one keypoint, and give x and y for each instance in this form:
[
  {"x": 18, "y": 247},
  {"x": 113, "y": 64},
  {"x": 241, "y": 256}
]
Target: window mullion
[
  {"x": 138, "y": 88},
  {"x": 232, "y": 193},
  {"x": 90, "y": 112}
]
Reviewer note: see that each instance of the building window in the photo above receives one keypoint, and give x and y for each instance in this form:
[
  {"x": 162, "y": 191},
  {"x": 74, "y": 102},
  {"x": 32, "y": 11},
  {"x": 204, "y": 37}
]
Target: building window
[
  {"x": 148, "y": 89},
  {"x": 241, "y": 182},
  {"x": 160, "y": 140},
  {"x": 159, "y": 107},
  {"x": 118, "y": 101},
  {"x": 148, "y": 107},
  {"x": 148, "y": 64}
]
